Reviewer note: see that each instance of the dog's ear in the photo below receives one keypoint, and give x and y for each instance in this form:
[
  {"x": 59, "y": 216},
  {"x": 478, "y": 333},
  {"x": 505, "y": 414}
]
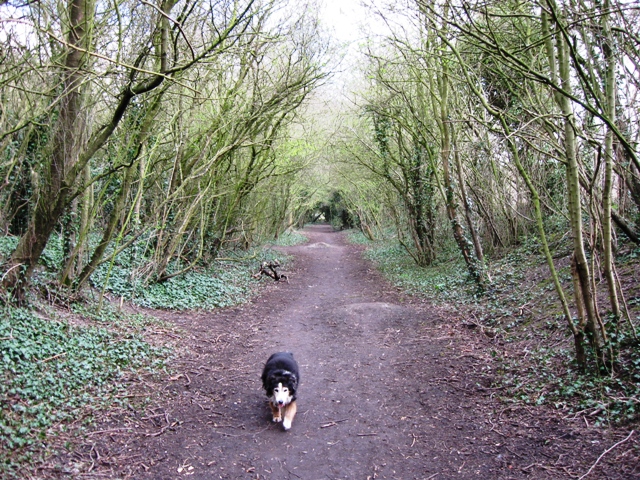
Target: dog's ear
[
  {"x": 267, "y": 382},
  {"x": 292, "y": 378}
]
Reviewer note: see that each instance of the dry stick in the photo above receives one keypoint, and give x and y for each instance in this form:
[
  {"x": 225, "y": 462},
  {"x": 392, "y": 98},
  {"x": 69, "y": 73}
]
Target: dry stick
[
  {"x": 605, "y": 452},
  {"x": 111, "y": 430},
  {"x": 54, "y": 357},
  {"x": 291, "y": 473},
  {"x": 333, "y": 423}
]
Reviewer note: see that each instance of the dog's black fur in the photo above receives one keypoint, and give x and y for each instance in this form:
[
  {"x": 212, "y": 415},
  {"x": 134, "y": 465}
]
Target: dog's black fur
[{"x": 281, "y": 370}]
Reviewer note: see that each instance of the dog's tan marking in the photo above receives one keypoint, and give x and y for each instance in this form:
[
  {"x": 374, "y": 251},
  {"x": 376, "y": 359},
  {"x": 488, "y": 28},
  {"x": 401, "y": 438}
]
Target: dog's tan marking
[
  {"x": 289, "y": 412},
  {"x": 277, "y": 417}
]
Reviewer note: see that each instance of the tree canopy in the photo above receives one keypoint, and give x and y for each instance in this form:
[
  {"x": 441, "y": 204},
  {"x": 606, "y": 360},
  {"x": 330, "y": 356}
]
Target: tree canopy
[{"x": 187, "y": 126}]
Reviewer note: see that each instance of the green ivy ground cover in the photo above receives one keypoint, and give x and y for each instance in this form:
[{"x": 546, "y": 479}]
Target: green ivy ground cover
[
  {"x": 52, "y": 371},
  {"x": 220, "y": 284},
  {"x": 547, "y": 375}
]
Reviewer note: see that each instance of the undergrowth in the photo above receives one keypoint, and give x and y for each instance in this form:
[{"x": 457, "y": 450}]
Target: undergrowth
[
  {"x": 53, "y": 373},
  {"x": 534, "y": 351},
  {"x": 59, "y": 368},
  {"x": 289, "y": 238},
  {"x": 225, "y": 284}
]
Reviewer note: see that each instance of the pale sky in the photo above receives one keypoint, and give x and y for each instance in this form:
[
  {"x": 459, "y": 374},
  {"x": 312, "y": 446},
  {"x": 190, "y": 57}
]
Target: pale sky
[
  {"x": 344, "y": 18},
  {"x": 344, "y": 21}
]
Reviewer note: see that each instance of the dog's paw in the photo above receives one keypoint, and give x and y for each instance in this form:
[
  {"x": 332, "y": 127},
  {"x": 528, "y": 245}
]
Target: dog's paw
[
  {"x": 286, "y": 424},
  {"x": 277, "y": 419}
]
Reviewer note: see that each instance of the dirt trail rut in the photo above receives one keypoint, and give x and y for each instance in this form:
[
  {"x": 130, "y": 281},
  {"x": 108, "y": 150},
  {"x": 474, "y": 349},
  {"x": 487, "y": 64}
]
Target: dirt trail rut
[{"x": 388, "y": 390}]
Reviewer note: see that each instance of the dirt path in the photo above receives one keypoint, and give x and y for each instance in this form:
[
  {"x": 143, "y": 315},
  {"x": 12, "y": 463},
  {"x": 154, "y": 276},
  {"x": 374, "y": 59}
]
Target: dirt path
[{"x": 390, "y": 389}]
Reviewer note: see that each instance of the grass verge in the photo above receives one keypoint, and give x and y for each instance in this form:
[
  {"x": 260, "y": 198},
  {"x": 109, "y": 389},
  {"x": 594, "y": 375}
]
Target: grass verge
[{"x": 532, "y": 346}]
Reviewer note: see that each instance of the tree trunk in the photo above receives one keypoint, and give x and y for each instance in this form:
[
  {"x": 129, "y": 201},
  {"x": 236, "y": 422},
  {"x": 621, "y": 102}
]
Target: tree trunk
[
  {"x": 450, "y": 198},
  {"x": 477, "y": 245},
  {"x": 74, "y": 262},
  {"x": 441, "y": 106},
  {"x": 57, "y": 188},
  {"x": 584, "y": 281},
  {"x": 114, "y": 218},
  {"x": 610, "y": 105}
]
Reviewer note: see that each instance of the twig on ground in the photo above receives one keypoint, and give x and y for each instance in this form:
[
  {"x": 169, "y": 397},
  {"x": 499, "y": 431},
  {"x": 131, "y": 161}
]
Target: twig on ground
[
  {"x": 53, "y": 357},
  {"x": 111, "y": 430},
  {"x": 493, "y": 429},
  {"x": 291, "y": 473},
  {"x": 333, "y": 423},
  {"x": 605, "y": 452},
  {"x": 162, "y": 430}
]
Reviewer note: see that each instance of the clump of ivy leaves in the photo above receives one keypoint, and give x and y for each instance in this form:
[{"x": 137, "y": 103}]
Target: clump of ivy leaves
[
  {"x": 603, "y": 394},
  {"x": 446, "y": 280},
  {"x": 547, "y": 374},
  {"x": 53, "y": 372},
  {"x": 289, "y": 238},
  {"x": 224, "y": 282}
]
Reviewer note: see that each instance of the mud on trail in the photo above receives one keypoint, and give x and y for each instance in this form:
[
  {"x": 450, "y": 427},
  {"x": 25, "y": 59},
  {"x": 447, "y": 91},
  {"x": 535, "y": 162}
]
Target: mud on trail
[{"x": 391, "y": 389}]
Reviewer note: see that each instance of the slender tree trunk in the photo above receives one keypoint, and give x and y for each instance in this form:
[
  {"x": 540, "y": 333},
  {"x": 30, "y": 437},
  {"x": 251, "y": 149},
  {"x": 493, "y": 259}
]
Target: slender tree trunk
[
  {"x": 477, "y": 245},
  {"x": 58, "y": 186},
  {"x": 114, "y": 218},
  {"x": 74, "y": 262},
  {"x": 585, "y": 295},
  {"x": 451, "y": 207},
  {"x": 116, "y": 215},
  {"x": 444, "y": 125},
  {"x": 610, "y": 103}
]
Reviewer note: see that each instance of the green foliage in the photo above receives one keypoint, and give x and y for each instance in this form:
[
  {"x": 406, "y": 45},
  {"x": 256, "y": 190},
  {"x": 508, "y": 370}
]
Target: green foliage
[
  {"x": 7, "y": 245},
  {"x": 52, "y": 371},
  {"x": 603, "y": 398},
  {"x": 517, "y": 310},
  {"x": 358, "y": 238},
  {"x": 52, "y": 255},
  {"x": 207, "y": 289},
  {"x": 447, "y": 281},
  {"x": 221, "y": 284},
  {"x": 289, "y": 239}
]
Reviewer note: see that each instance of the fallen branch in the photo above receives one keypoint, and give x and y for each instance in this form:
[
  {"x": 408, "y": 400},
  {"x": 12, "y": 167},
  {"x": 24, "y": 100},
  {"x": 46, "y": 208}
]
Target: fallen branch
[
  {"x": 53, "y": 357},
  {"x": 270, "y": 270},
  {"x": 333, "y": 423},
  {"x": 605, "y": 452}
]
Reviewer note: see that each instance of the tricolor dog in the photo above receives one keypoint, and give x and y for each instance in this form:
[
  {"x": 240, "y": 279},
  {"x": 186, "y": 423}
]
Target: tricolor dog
[{"x": 280, "y": 379}]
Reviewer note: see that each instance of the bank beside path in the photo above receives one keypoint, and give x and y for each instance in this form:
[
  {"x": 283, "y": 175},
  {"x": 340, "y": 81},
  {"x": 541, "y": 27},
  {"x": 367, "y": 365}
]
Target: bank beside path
[{"x": 391, "y": 388}]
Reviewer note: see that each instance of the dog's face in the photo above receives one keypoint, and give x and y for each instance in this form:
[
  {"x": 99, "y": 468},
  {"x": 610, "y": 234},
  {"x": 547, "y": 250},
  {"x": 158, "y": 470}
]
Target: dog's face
[
  {"x": 281, "y": 395},
  {"x": 281, "y": 389}
]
